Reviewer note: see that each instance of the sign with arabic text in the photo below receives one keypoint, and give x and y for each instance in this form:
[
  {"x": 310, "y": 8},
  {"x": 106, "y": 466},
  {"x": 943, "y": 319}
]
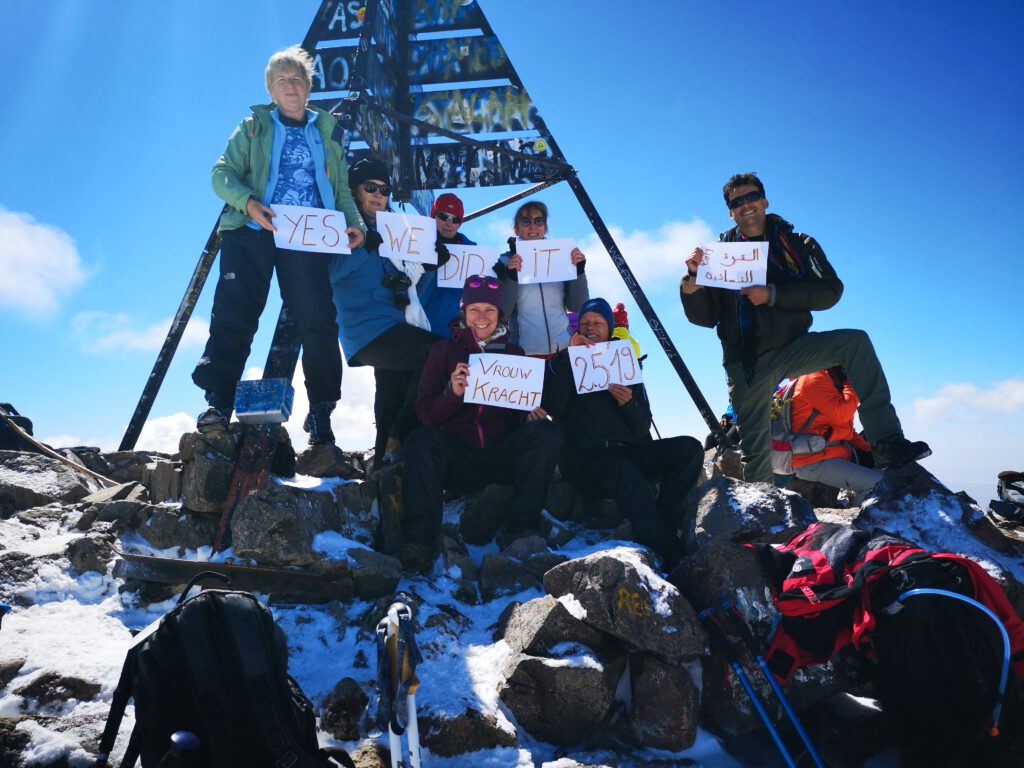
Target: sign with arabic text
[{"x": 733, "y": 265}]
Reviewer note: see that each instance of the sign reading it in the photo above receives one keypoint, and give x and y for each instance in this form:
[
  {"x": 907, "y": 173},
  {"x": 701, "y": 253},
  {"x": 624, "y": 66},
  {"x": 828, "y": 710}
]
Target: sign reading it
[
  {"x": 546, "y": 261},
  {"x": 733, "y": 265},
  {"x": 309, "y": 229},
  {"x": 407, "y": 236},
  {"x": 505, "y": 381},
  {"x": 604, "y": 363},
  {"x": 466, "y": 261}
]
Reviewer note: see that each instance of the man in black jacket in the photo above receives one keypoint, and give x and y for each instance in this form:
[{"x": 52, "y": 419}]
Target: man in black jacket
[
  {"x": 765, "y": 338},
  {"x": 607, "y": 447}
]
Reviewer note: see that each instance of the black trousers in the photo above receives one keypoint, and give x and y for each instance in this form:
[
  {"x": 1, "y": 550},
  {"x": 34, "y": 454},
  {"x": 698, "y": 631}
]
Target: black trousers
[
  {"x": 397, "y": 357},
  {"x": 248, "y": 259},
  {"x": 434, "y": 460},
  {"x": 623, "y": 473}
]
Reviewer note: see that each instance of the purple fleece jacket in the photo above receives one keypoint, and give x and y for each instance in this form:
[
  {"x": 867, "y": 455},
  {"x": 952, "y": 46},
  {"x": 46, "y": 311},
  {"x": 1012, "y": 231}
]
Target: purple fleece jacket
[{"x": 436, "y": 404}]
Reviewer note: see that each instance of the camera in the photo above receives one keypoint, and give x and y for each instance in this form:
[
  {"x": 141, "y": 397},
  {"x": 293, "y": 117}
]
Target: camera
[{"x": 398, "y": 283}]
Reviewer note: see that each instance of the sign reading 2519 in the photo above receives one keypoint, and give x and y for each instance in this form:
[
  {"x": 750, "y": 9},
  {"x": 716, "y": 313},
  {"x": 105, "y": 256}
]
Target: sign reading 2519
[{"x": 608, "y": 362}]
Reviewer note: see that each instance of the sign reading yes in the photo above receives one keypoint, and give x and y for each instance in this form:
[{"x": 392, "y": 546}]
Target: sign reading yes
[
  {"x": 466, "y": 261},
  {"x": 309, "y": 229},
  {"x": 733, "y": 265},
  {"x": 407, "y": 237},
  {"x": 604, "y": 363},
  {"x": 505, "y": 381},
  {"x": 546, "y": 261}
]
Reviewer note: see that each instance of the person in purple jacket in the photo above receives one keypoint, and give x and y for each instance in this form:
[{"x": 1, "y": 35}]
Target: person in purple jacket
[{"x": 463, "y": 446}]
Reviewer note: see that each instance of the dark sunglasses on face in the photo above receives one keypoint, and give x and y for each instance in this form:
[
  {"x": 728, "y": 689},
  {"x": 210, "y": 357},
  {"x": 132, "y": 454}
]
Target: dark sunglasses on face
[
  {"x": 448, "y": 217},
  {"x": 372, "y": 186},
  {"x": 476, "y": 282},
  {"x": 750, "y": 197},
  {"x": 537, "y": 221}
]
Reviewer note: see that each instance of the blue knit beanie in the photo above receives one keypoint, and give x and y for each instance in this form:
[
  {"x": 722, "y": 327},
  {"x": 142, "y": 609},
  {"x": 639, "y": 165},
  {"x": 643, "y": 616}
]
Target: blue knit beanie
[{"x": 602, "y": 307}]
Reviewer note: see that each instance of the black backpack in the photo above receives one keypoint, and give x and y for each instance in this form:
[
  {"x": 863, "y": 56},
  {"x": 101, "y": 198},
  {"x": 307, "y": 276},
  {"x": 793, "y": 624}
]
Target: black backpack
[
  {"x": 940, "y": 667},
  {"x": 215, "y": 665}
]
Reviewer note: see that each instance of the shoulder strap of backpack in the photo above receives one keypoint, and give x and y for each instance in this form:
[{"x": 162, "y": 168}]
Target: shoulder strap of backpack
[
  {"x": 119, "y": 702},
  {"x": 251, "y": 642}
]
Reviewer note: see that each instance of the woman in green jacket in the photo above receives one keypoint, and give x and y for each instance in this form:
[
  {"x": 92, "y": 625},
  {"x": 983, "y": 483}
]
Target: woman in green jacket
[{"x": 283, "y": 153}]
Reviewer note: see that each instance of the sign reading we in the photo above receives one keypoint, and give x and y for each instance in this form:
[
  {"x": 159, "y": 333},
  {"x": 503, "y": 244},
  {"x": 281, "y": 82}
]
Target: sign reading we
[
  {"x": 466, "y": 261},
  {"x": 604, "y": 363},
  {"x": 733, "y": 265},
  {"x": 309, "y": 229},
  {"x": 407, "y": 236},
  {"x": 546, "y": 261},
  {"x": 505, "y": 381}
]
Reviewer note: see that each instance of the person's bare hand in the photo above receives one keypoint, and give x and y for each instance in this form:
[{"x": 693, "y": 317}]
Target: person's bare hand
[
  {"x": 621, "y": 393},
  {"x": 757, "y": 294},
  {"x": 260, "y": 213},
  {"x": 537, "y": 414},
  {"x": 577, "y": 256},
  {"x": 457, "y": 381},
  {"x": 694, "y": 261},
  {"x": 515, "y": 262},
  {"x": 355, "y": 237},
  {"x": 579, "y": 340}
]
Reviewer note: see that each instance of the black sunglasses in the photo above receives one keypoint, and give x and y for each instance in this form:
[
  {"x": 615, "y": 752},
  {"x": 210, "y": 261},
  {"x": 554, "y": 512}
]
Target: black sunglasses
[
  {"x": 373, "y": 186},
  {"x": 537, "y": 221},
  {"x": 448, "y": 217},
  {"x": 476, "y": 282},
  {"x": 750, "y": 197}
]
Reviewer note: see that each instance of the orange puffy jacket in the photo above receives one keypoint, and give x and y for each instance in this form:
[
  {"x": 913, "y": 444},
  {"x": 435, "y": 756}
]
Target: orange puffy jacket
[{"x": 834, "y": 419}]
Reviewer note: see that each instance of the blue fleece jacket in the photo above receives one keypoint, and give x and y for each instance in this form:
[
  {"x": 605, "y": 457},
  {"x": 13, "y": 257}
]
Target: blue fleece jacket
[
  {"x": 365, "y": 307},
  {"x": 440, "y": 304}
]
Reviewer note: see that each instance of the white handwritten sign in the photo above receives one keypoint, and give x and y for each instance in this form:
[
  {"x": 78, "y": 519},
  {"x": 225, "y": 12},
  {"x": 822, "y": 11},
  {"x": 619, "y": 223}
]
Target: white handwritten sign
[
  {"x": 407, "y": 236},
  {"x": 604, "y": 363},
  {"x": 505, "y": 381},
  {"x": 466, "y": 261},
  {"x": 546, "y": 261},
  {"x": 310, "y": 229},
  {"x": 733, "y": 265}
]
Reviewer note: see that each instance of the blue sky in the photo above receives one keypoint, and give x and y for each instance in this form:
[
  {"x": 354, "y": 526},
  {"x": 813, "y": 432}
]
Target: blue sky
[{"x": 889, "y": 131}]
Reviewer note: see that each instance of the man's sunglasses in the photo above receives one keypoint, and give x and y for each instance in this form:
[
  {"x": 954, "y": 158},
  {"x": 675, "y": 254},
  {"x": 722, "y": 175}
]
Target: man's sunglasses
[
  {"x": 537, "y": 221},
  {"x": 373, "y": 186},
  {"x": 750, "y": 197},
  {"x": 448, "y": 217},
  {"x": 476, "y": 282}
]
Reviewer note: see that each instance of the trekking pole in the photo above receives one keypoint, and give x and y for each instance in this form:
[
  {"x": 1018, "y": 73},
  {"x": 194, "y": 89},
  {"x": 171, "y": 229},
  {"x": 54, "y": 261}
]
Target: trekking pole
[
  {"x": 748, "y": 638},
  {"x": 397, "y": 657},
  {"x": 715, "y": 630},
  {"x": 1005, "y": 670}
]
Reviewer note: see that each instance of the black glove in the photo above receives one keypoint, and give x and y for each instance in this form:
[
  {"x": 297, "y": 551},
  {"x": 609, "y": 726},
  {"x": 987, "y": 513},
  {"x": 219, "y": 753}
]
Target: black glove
[
  {"x": 580, "y": 266},
  {"x": 442, "y": 254},
  {"x": 373, "y": 240}
]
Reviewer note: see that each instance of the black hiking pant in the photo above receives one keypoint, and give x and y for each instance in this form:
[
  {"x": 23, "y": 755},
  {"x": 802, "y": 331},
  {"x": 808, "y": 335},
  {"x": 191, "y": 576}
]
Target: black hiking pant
[
  {"x": 397, "y": 357},
  {"x": 623, "y": 472},
  {"x": 434, "y": 460},
  {"x": 248, "y": 259}
]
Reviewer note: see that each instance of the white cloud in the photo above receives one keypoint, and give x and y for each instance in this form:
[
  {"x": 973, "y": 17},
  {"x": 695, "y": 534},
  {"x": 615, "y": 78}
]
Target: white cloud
[
  {"x": 100, "y": 332},
  {"x": 969, "y": 402},
  {"x": 655, "y": 257},
  {"x": 164, "y": 432},
  {"x": 39, "y": 264}
]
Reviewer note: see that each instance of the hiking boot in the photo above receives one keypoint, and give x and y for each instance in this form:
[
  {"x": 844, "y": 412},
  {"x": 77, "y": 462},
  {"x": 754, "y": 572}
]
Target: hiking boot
[
  {"x": 895, "y": 452},
  {"x": 318, "y": 424},
  {"x": 211, "y": 420},
  {"x": 417, "y": 557}
]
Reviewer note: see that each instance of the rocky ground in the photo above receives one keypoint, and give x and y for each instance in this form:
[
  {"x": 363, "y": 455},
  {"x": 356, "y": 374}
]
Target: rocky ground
[{"x": 569, "y": 648}]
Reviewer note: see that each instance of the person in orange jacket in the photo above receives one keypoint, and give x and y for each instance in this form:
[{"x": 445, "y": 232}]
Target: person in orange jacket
[{"x": 842, "y": 463}]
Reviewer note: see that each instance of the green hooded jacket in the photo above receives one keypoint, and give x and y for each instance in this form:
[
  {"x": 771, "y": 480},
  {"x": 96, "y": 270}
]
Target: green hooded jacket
[{"x": 244, "y": 169}]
